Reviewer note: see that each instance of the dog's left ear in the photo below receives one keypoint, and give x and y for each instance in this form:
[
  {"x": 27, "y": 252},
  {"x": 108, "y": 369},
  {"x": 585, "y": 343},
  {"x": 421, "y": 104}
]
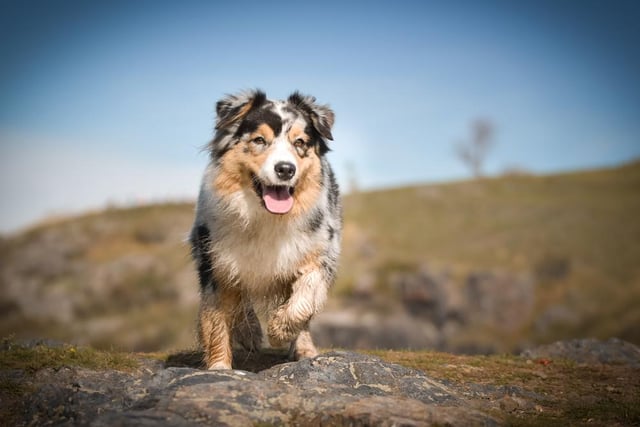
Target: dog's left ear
[
  {"x": 233, "y": 108},
  {"x": 321, "y": 116}
]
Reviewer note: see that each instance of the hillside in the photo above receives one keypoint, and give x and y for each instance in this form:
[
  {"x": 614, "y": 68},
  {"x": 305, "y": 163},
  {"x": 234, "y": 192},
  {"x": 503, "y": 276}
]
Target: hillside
[
  {"x": 571, "y": 241},
  {"x": 476, "y": 266}
]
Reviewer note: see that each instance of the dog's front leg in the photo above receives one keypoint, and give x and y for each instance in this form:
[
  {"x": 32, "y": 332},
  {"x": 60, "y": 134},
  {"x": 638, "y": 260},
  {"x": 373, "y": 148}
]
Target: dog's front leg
[
  {"x": 308, "y": 295},
  {"x": 217, "y": 310}
]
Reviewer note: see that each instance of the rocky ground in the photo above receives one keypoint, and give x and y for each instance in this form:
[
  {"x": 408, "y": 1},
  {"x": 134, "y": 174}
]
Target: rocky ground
[{"x": 578, "y": 382}]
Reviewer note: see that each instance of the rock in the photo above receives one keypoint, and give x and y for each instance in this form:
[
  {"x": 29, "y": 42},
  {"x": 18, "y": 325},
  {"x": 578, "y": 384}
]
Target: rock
[
  {"x": 555, "y": 316},
  {"x": 501, "y": 300},
  {"x": 512, "y": 403},
  {"x": 336, "y": 389},
  {"x": 498, "y": 300},
  {"x": 430, "y": 309},
  {"x": 589, "y": 350},
  {"x": 552, "y": 268},
  {"x": 359, "y": 375},
  {"x": 361, "y": 330},
  {"x": 424, "y": 294}
]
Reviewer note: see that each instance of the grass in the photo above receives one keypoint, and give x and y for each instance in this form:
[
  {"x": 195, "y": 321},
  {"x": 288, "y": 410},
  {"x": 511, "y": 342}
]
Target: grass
[
  {"x": 456, "y": 367},
  {"x": 572, "y": 394},
  {"x": 29, "y": 360},
  {"x": 32, "y": 359},
  {"x": 510, "y": 221}
]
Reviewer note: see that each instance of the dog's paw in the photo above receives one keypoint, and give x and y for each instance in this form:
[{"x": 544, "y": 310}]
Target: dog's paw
[
  {"x": 219, "y": 366},
  {"x": 303, "y": 347},
  {"x": 303, "y": 353},
  {"x": 280, "y": 330}
]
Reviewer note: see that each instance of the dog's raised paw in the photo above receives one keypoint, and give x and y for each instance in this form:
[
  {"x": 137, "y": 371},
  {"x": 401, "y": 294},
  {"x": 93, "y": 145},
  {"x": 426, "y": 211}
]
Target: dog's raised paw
[{"x": 280, "y": 330}]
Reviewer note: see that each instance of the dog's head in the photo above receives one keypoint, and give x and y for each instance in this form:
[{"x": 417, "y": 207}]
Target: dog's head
[{"x": 273, "y": 148}]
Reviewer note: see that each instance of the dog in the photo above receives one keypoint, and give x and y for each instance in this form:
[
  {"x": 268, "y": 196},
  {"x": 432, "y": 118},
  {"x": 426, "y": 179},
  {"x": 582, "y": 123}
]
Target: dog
[{"x": 268, "y": 222}]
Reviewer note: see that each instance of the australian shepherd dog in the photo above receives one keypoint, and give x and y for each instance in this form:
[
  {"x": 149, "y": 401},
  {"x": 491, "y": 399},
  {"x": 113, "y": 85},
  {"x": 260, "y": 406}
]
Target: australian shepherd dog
[{"x": 266, "y": 236}]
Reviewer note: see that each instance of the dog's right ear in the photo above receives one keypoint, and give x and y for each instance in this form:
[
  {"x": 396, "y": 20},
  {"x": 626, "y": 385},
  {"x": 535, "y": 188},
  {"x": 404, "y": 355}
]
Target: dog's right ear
[{"x": 233, "y": 108}]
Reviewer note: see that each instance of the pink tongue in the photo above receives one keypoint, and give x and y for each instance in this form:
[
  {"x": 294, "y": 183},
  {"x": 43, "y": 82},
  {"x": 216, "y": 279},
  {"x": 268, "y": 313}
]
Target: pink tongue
[{"x": 277, "y": 199}]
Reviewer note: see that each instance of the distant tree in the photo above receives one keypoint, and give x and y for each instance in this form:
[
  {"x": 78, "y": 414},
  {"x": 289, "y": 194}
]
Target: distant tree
[{"x": 474, "y": 152}]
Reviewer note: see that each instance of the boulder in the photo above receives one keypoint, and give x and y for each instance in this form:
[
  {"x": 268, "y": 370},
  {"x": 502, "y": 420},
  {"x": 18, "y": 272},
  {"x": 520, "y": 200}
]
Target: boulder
[{"x": 336, "y": 389}]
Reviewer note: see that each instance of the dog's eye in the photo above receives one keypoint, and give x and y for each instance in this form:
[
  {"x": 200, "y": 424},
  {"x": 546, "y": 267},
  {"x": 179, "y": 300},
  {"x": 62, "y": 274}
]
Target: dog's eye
[
  {"x": 299, "y": 142},
  {"x": 258, "y": 140}
]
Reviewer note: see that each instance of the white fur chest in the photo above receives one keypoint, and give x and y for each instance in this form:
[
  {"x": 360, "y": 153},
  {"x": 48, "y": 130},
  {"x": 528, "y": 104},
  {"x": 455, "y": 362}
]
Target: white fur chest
[{"x": 258, "y": 255}]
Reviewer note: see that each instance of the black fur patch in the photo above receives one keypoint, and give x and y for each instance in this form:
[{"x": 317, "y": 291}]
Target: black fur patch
[
  {"x": 258, "y": 116},
  {"x": 302, "y": 109},
  {"x": 329, "y": 270},
  {"x": 200, "y": 247},
  {"x": 333, "y": 190},
  {"x": 316, "y": 140},
  {"x": 332, "y": 232},
  {"x": 259, "y": 99},
  {"x": 320, "y": 116},
  {"x": 316, "y": 220}
]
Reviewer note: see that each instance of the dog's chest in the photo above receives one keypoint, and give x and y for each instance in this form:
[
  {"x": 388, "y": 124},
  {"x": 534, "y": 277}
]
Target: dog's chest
[{"x": 260, "y": 255}]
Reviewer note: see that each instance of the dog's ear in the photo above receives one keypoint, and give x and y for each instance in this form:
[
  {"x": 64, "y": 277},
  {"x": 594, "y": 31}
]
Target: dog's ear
[
  {"x": 233, "y": 108},
  {"x": 321, "y": 116}
]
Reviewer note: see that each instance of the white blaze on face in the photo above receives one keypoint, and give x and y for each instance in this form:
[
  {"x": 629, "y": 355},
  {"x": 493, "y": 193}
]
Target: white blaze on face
[
  {"x": 277, "y": 192},
  {"x": 281, "y": 150}
]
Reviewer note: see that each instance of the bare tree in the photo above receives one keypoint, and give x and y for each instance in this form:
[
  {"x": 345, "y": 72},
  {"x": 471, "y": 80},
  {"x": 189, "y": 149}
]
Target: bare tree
[{"x": 473, "y": 152}]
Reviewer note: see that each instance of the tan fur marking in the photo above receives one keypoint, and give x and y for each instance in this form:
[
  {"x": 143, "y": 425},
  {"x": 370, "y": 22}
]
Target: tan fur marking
[
  {"x": 309, "y": 263},
  {"x": 309, "y": 185},
  {"x": 214, "y": 328},
  {"x": 265, "y": 131},
  {"x": 235, "y": 168},
  {"x": 297, "y": 132}
]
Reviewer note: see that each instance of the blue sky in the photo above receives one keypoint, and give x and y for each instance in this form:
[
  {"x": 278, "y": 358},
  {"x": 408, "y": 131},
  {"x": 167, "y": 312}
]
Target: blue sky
[{"x": 110, "y": 102}]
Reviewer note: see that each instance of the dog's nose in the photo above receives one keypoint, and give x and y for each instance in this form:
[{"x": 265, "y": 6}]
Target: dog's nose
[{"x": 285, "y": 170}]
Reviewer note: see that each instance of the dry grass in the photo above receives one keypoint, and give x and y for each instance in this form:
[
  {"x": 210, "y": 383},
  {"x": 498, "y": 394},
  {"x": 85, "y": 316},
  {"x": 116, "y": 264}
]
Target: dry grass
[
  {"x": 32, "y": 359},
  {"x": 572, "y": 394}
]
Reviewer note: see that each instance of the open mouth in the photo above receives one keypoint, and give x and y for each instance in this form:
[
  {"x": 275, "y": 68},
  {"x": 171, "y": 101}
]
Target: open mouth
[{"x": 277, "y": 199}]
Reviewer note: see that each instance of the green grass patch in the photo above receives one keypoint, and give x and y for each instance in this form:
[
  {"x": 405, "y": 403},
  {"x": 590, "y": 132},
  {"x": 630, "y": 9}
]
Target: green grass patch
[{"x": 31, "y": 359}]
